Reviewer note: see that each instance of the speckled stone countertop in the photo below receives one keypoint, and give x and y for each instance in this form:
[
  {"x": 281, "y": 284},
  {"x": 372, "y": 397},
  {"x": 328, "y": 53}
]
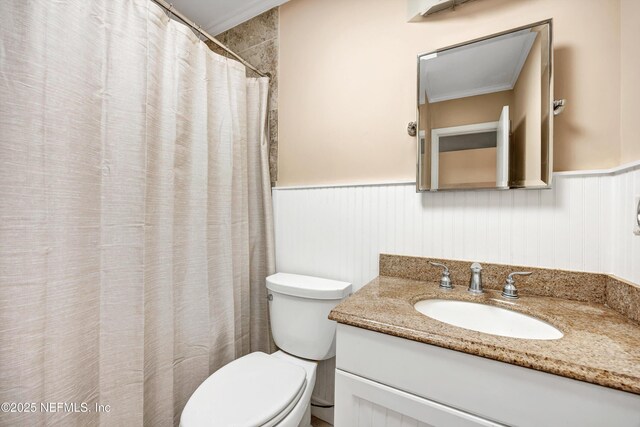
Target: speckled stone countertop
[{"x": 600, "y": 345}]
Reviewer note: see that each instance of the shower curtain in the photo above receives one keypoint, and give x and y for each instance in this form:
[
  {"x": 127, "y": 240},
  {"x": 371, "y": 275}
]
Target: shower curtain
[{"x": 135, "y": 213}]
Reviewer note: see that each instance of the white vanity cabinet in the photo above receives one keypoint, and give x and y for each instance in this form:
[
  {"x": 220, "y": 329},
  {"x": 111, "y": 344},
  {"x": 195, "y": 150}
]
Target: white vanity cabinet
[{"x": 382, "y": 380}]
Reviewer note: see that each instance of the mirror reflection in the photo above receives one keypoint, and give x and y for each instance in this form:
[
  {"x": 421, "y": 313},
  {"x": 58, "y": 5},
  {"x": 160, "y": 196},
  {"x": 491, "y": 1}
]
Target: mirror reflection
[{"x": 484, "y": 113}]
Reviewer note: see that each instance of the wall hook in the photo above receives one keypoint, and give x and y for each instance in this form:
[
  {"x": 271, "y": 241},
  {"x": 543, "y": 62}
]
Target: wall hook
[
  {"x": 411, "y": 128},
  {"x": 558, "y": 106}
]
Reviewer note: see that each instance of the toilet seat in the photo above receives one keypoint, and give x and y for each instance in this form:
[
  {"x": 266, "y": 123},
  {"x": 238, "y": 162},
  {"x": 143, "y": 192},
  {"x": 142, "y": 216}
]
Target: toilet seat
[{"x": 255, "y": 390}]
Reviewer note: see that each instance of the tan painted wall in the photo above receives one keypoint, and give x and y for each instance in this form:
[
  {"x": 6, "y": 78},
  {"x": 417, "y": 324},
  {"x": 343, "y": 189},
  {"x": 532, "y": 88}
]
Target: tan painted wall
[
  {"x": 468, "y": 166},
  {"x": 348, "y": 81},
  {"x": 630, "y": 80},
  {"x": 471, "y": 167},
  {"x": 469, "y": 110}
]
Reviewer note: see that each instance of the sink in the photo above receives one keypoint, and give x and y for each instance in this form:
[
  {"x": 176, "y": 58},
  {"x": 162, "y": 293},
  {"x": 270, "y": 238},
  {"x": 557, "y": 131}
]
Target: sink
[{"x": 488, "y": 319}]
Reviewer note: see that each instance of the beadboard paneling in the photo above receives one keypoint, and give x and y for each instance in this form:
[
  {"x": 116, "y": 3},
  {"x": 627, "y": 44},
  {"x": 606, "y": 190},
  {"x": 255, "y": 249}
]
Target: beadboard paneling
[
  {"x": 584, "y": 223},
  {"x": 370, "y": 414}
]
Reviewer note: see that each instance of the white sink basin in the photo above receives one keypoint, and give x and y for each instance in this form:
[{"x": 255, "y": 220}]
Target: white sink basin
[{"x": 487, "y": 319}]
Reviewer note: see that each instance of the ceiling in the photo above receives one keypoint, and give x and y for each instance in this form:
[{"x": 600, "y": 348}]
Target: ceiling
[
  {"x": 217, "y": 16},
  {"x": 488, "y": 66}
]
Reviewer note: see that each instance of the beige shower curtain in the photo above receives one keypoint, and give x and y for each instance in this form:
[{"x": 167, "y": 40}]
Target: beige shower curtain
[{"x": 135, "y": 213}]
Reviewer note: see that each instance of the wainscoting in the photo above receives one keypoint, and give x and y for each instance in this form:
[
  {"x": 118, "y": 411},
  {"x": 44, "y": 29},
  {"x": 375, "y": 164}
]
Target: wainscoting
[{"x": 584, "y": 223}]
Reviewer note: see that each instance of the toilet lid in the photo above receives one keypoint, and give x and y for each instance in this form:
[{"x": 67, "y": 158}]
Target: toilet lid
[{"x": 255, "y": 390}]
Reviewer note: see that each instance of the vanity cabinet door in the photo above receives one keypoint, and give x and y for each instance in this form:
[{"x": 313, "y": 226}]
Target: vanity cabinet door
[
  {"x": 477, "y": 385},
  {"x": 366, "y": 403}
]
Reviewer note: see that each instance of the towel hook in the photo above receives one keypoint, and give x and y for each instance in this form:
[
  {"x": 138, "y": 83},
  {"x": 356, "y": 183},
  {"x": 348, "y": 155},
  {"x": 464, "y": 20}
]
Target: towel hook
[
  {"x": 411, "y": 128},
  {"x": 558, "y": 106}
]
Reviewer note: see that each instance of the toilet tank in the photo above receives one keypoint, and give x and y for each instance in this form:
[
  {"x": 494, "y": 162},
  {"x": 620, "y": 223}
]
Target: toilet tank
[{"x": 299, "y": 307}]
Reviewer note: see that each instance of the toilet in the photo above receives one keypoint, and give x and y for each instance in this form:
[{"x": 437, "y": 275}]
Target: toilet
[{"x": 274, "y": 389}]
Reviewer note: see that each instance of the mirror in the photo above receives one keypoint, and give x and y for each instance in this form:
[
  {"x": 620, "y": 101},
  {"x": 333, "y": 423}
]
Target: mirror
[{"x": 485, "y": 113}]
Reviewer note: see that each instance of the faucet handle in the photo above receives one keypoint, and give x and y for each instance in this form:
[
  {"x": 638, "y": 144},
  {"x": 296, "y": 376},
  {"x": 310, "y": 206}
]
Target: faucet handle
[
  {"x": 445, "y": 280},
  {"x": 509, "y": 290}
]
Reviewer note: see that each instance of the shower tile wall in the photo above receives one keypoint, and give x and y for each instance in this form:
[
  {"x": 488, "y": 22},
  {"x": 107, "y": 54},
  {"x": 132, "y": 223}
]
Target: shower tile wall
[{"x": 256, "y": 40}]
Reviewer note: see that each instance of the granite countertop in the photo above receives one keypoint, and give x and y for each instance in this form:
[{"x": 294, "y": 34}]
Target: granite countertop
[{"x": 600, "y": 345}]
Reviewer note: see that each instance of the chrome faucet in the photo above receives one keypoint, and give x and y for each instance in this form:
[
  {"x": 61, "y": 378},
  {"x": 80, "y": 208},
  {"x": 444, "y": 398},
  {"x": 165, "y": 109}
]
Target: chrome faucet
[
  {"x": 445, "y": 280},
  {"x": 475, "y": 281},
  {"x": 509, "y": 290}
]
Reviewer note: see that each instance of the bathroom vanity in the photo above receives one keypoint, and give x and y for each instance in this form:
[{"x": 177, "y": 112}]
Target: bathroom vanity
[{"x": 397, "y": 366}]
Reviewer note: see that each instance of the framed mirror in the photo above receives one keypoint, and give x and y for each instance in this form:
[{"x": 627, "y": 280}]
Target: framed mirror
[{"x": 485, "y": 113}]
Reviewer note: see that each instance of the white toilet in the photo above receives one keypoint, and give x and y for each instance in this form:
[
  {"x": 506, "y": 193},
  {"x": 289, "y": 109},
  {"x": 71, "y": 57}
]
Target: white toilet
[{"x": 274, "y": 389}]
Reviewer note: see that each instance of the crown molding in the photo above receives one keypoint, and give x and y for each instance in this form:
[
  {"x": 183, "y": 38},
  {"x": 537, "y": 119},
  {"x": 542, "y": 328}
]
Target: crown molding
[{"x": 237, "y": 17}]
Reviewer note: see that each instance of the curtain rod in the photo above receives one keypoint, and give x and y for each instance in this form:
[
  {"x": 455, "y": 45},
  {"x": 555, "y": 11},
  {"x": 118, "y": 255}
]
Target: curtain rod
[{"x": 169, "y": 8}]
